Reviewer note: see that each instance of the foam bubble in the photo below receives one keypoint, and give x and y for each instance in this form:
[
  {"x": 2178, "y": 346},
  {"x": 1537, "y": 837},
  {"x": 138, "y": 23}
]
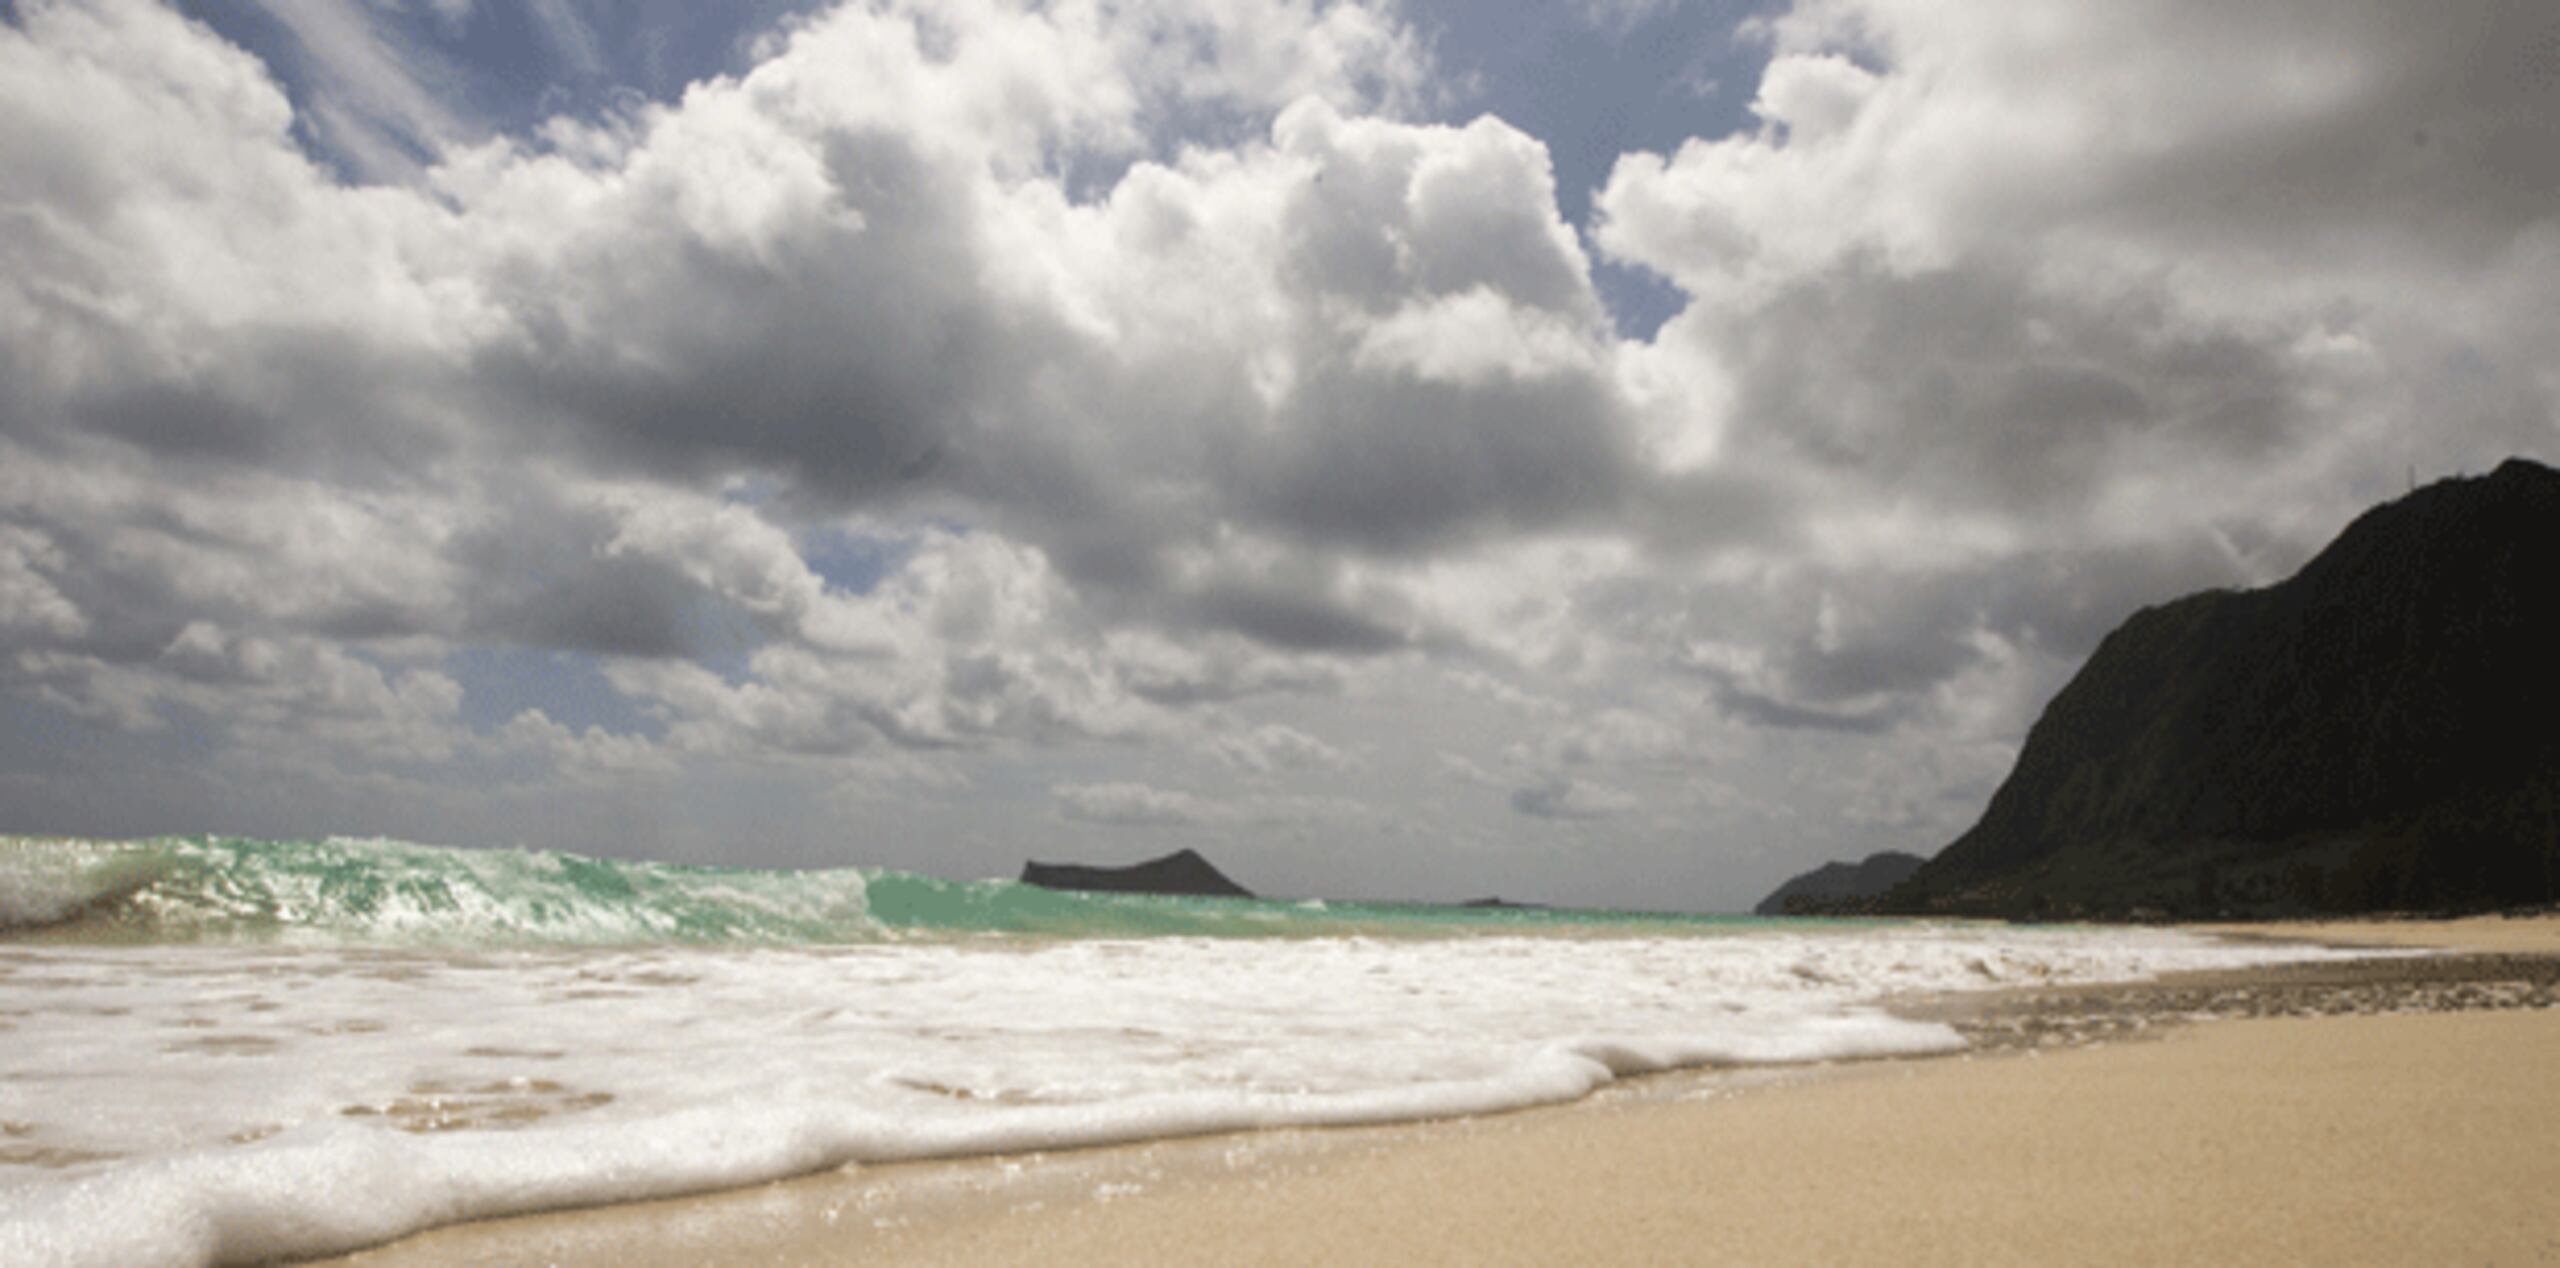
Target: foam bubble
[{"x": 207, "y": 1104}]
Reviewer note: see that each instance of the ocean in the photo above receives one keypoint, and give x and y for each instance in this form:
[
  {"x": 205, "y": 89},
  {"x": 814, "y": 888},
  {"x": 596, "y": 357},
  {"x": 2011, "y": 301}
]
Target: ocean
[{"x": 219, "y": 1050}]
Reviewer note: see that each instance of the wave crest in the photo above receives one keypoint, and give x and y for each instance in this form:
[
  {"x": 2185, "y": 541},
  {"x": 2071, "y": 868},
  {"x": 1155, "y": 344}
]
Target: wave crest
[{"x": 339, "y": 889}]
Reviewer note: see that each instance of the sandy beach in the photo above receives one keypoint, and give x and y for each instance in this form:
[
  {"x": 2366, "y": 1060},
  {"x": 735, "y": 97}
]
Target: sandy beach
[
  {"x": 2516, "y": 935},
  {"x": 2370, "y": 1135}
]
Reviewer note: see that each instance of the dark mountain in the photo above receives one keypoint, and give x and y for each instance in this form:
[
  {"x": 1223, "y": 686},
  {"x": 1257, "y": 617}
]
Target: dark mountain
[
  {"x": 2379, "y": 731},
  {"x": 1834, "y": 887},
  {"x": 1181, "y": 872}
]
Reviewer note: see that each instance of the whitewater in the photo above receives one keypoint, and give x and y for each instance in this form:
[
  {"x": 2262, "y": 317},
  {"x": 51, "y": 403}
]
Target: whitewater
[{"x": 218, "y": 1050}]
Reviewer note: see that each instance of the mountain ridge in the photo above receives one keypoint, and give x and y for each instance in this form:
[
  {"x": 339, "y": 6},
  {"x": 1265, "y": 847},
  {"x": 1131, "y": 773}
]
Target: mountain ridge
[
  {"x": 2379, "y": 731},
  {"x": 1838, "y": 884}
]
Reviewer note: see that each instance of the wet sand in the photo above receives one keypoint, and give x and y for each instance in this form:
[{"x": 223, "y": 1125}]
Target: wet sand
[{"x": 2385, "y": 1112}]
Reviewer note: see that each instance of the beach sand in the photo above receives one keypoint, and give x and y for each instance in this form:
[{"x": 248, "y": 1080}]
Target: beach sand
[
  {"x": 2515, "y": 935},
  {"x": 2367, "y": 1137}
]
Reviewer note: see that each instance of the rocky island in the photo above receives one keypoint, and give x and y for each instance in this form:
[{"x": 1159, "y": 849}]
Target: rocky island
[{"x": 1183, "y": 873}]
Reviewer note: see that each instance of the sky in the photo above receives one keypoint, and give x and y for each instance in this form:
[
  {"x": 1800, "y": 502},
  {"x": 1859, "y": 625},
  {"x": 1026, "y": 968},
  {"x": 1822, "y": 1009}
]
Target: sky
[{"x": 1617, "y": 452}]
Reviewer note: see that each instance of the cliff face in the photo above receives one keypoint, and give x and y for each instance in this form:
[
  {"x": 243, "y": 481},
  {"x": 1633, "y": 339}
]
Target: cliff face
[
  {"x": 2381, "y": 730},
  {"x": 1839, "y": 887},
  {"x": 1183, "y": 872}
]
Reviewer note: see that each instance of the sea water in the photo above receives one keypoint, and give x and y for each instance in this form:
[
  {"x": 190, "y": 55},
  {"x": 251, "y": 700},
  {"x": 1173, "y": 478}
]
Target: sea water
[{"x": 219, "y": 1050}]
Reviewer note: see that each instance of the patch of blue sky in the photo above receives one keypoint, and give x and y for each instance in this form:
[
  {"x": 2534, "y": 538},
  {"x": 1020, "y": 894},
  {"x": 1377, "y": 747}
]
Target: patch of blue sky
[
  {"x": 575, "y": 57},
  {"x": 751, "y": 489},
  {"x": 374, "y": 80},
  {"x": 852, "y": 561},
  {"x": 1592, "y": 79},
  {"x": 723, "y": 639},
  {"x": 1595, "y": 87}
]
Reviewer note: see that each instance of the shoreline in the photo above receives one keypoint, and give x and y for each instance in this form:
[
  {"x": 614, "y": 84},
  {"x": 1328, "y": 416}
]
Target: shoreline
[{"x": 1147, "y": 1202}]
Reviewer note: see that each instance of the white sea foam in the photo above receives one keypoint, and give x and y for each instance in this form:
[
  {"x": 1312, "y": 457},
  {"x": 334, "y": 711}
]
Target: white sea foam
[{"x": 209, "y": 1104}]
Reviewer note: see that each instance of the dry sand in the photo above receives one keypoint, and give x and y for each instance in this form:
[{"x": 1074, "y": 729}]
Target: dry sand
[
  {"x": 2515, "y": 935},
  {"x": 2410, "y": 1138}
]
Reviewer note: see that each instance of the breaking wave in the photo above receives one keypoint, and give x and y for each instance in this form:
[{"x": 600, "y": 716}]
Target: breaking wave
[{"x": 348, "y": 890}]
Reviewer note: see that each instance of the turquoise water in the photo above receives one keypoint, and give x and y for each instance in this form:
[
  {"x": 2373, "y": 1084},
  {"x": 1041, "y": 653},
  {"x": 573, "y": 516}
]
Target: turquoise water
[
  {"x": 218, "y": 889},
  {"x": 219, "y": 1050}
]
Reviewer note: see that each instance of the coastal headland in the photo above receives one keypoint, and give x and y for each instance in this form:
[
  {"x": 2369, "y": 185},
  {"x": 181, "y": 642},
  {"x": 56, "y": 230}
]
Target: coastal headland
[
  {"x": 2371, "y": 734},
  {"x": 2379, "y": 1111}
]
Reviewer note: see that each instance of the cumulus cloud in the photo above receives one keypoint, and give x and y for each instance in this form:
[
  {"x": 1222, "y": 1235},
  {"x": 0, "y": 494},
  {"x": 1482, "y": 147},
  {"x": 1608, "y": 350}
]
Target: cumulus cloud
[
  {"x": 693, "y": 295},
  {"x": 1989, "y": 299},
  {"x": 383, "y": 103},
  {"x": 974, "y": 639},
  {"x": 2102, "y": 133},
  {"x": 591, "y": 753},
  {"x": 292, "y": 700},
  {"x": 960, "y": 394}
]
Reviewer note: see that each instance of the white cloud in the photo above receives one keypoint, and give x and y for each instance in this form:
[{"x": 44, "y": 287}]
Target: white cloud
[
  {"x": 288, "y": 702},
  {"x": 1814, "y": 98},
  {"x": 1206, "y": 409},
  {"x": 1474, "y": 337},
  {"x": 1986, "y": 299},
  {"x": 972, "y": 639},
  {"x": 1274, "y": 748},
  {"x": 2113, "y": 140},
  {"x": 1134, "y": 804}
]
